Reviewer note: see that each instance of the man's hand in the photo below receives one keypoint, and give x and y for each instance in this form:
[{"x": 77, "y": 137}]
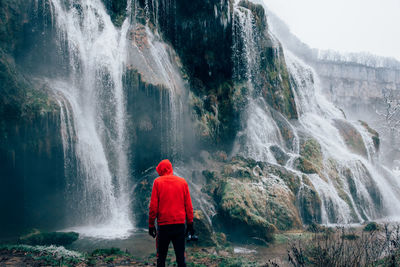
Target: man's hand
[
  {"x": 189, "y": 229},
  {"x": 152, "y": 232}
]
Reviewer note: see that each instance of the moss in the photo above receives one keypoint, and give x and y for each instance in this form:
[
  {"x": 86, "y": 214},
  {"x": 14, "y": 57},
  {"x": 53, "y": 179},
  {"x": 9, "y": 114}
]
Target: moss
[
  {"x": 336, "y": 177},
  {"x": 204, "y": 230},
  {"x": 291, "y": 179},
  {"x": 306, "y": 166},
  {"x": 52, "y": 238},
  {"x": 310, "y": 149},
  {"x": 276, "y": 89},
  {"x": 107, "y": 252},
  {"x": 241, "y": 206},
  {"x": 20, "y": 99},
  {"x": 261, "y": 197},
  {"x": 258, "y": 14},
  {"x": 309, "y": 204},
  {"x": 117, "y": 10}
]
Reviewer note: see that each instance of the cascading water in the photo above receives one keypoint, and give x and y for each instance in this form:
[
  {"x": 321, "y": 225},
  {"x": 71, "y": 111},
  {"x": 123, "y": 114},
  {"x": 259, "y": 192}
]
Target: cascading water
[
  {"x": 93, "y": 117},
  {"x": 261, "y": 131},
  {"x": 350, "y": 186},
  {"x": 94, "y": 114},
  {"x": 354, "y": 191}
]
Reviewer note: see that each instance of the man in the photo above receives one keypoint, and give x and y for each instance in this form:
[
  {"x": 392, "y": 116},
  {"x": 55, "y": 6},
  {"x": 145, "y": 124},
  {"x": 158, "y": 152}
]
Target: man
[{"x": 171, "y": 205}]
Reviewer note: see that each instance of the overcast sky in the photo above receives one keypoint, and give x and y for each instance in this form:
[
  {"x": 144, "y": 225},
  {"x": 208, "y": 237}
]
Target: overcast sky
[{"x": 344, "y": 25}]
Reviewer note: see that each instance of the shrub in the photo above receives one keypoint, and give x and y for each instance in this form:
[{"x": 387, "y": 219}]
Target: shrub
[{"x": 372, "y": 226}]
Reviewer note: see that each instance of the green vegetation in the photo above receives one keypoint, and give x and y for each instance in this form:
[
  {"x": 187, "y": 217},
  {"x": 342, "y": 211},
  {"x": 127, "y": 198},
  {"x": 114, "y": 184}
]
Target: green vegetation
[
  {"x": 107, "y": 252},
  {"x": 371, "y": 226},
  {"x": 310, "y": 149},
  {"x": 306, "y": 166},
  {"x": 200, "y": 259},
  {"x": 52, "y": 238},
  {"x": 44, "y": 255}
]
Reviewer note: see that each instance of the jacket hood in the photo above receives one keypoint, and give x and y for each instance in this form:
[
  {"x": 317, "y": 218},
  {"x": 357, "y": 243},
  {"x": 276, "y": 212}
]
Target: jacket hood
[{"x": 164, "y": 168}]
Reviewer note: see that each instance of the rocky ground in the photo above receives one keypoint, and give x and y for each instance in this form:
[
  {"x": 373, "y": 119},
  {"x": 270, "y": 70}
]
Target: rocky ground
[
  {"x": 195, "y": 257},
  {"x": 229, "y": 255},
  {"x": 371, "y": 245}
]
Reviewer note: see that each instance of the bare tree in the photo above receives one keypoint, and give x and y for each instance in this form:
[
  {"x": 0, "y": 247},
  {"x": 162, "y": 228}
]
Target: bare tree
[{"x": 390, "y": 114}]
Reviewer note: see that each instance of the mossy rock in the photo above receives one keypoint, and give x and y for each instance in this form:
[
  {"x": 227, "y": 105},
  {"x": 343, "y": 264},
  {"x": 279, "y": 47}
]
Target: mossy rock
[
  {"x": 351, "y": 137},
  {"x": 374, "y": 135},
  {"x": 310, "y": 149},
  {"x": 280, "y": 156},
  {"x": 258, "y": 14},
  {"x": 203, "y": 229},
  {"x": 117, "y": 11},
  {"x": 142, "y": 197},
  {"x": 241, "y": 210},
  {"x": 309, "y": 203},
  {"x": 306, "y": 166},
  {"x": 264, "y": 198},
  {"x": 47, "y": 239},
  {"x": 291, "y": 179},
  {"x": 285, "y": 129}
]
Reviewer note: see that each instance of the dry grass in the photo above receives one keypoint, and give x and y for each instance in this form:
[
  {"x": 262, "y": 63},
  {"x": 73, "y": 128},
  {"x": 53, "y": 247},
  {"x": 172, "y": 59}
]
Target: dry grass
[{"x": 347, "y": 247}]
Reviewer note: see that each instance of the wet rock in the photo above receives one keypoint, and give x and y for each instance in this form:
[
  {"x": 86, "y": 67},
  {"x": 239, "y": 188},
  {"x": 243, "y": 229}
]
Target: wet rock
[
  {"x": 142, "y": 195},
  {"x": 254, "y": 199},
  {"x": 351, "y": 137},
  {"x": 310, "y": 149},
  {"x": 306, "y": 166},
  {"x": 309, "y": 203},
  {"x": 285, "y": 129},
  {"x": 374, "y": 135},
  {"x": 203, "y": 229},
  {"x": 280, "y": 156},
  {"x": 117, "y": 10}
]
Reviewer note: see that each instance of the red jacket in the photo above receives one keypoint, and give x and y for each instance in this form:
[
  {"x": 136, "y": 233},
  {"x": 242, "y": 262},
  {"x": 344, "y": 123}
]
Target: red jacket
[{"x": 170, "y": 199}]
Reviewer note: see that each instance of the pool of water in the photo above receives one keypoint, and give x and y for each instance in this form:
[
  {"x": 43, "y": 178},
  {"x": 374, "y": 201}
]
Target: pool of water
[{"x": 139, "y": 244}]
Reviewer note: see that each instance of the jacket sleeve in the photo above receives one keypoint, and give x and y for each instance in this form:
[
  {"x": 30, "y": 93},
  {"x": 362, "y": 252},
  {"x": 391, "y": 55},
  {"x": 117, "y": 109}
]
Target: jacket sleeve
[
  {"x": 188, "y": 205},
  {"x": 153, "y": 210}
]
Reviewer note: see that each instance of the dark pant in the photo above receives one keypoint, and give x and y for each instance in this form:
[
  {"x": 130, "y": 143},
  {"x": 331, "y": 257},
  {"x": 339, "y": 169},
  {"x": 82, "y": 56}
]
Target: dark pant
[{"x": 176, "y": 234}]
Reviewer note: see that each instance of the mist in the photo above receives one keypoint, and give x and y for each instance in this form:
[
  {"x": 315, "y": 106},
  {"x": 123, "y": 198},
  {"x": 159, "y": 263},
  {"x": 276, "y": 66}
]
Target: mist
[{"x": 346, "y": 26}]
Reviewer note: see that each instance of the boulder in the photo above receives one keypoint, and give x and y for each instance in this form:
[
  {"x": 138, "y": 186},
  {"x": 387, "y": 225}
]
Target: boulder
[
  {"x": 254, "y": 199},
  {"x": 50, "y": 238}
]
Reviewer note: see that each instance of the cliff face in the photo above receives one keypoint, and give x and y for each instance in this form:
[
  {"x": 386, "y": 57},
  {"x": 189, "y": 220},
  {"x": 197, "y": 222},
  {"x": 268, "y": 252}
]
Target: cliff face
[
  {"x": 354, "y": 86},
  {"x": 31, "y": 153},
  {"x": 192, "y": 82}
]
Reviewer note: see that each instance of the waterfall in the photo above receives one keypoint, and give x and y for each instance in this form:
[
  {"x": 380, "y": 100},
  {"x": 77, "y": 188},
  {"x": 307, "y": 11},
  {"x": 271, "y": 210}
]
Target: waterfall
[
  {"x": 351, "y": 186},
  {"x": 95, "y": 119},
  {"x": 355, "y": 191},
  {"x": 93, "y": 116},
  {"x": 245, "y": 53}
]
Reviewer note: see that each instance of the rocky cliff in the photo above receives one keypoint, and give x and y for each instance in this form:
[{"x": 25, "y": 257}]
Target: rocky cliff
[
  {"x": 95, "y": 93},
  {"x": 31, "y": 153}
]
